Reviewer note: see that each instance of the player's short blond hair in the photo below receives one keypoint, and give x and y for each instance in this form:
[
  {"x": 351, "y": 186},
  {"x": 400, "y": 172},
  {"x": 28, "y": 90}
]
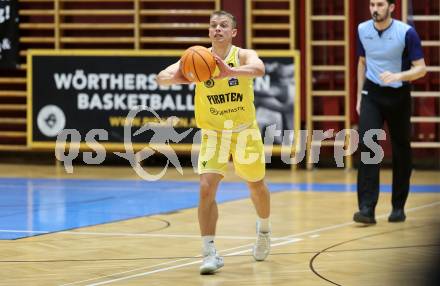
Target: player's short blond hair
[{"x": 227, "y": 14}]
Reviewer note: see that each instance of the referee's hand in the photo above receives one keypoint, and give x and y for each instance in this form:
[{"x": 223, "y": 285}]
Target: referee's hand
[{"x": 389, "y": 77}]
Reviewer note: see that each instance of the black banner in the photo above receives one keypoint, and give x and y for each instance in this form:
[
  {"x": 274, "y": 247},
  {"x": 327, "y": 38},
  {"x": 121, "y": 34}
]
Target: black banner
[
  {"x": 98, "y": 92},
  {"x": 9, "y": 34},
  {"x": 87, "y": 90}
]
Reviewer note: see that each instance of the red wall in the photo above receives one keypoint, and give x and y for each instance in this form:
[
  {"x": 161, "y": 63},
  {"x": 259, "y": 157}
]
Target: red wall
[{"x": 238, "y": 9}]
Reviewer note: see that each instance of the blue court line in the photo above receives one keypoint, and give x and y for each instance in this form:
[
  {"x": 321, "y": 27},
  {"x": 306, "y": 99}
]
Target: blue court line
[{"x": 51, "y": 205}]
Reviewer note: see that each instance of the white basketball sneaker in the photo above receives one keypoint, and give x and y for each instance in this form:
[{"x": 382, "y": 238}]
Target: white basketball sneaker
[
  {"x": 211, "y": 262},
  {"x": 262, "y": 245}
]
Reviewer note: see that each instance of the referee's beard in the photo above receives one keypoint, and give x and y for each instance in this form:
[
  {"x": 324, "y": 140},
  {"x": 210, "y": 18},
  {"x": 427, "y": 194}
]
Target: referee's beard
[{"x": 377, "y": 18}]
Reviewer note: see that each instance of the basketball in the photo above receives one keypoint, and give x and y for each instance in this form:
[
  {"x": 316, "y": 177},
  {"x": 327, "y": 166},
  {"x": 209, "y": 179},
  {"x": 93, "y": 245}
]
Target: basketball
[{"x": 197, "y": 64}]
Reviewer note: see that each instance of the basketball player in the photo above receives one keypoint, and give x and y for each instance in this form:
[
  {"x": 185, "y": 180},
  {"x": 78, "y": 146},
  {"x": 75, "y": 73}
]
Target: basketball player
[{"x": 224, "y": 107}]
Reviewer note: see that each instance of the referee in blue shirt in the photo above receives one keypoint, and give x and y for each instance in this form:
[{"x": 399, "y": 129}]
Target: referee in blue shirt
[{"x": 390, "y": 56}]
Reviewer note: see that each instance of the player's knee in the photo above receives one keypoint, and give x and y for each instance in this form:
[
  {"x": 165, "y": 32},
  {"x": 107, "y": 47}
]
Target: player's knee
[
  {"x": 258, "y": 188},
  {"x": 207, "y": 191}
]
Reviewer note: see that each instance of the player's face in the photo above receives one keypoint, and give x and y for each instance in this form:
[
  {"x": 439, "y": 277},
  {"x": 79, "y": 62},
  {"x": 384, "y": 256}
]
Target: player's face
[
  {"x": 380, "y": 10},
  {"x": 221, "y": 29}
]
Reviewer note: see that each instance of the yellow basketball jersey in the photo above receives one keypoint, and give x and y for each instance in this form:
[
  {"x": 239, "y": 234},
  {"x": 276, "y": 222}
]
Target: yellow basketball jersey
[{"x": 217, "y": 101}]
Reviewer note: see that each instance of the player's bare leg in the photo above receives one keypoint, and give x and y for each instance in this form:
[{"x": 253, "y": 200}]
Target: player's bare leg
[
  {"x": 208, "y": 215},
  {"x": 261, "y": 198}
]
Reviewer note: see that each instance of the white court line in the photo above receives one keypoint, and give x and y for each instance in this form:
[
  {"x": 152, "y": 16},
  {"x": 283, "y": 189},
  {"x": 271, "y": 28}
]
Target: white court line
[
  {"x": 155, "y": 235},
  {"x": 316, "y": 231},
  {"x": 146, "y": 273},
  {"x": 160, "y": 264},
  {"x": 352, "y": 222},
  {"x": 422, "y": 207},
  {"x": 185, "y": 264},
  {"x": 271, "y": 245},
  {"x": 24, "y": 231},
  {"x": 192, "y": 236},
  {"x": 132, "y": 270},
  {"x": 198, "y": 236}
]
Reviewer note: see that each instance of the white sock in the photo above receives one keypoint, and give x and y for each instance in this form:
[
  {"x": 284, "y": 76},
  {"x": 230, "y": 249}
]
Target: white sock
[
  {"x": 264, "y": 224},
  {"x": 208, "y": 243}
]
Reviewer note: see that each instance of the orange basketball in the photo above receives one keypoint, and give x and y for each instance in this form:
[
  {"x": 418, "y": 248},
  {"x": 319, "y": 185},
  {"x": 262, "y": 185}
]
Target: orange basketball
[{"x": 197, "y": 64}]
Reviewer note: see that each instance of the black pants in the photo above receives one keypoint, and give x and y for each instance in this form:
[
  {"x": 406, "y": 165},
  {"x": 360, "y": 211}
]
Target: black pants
[{"x": 393, "y": 105}]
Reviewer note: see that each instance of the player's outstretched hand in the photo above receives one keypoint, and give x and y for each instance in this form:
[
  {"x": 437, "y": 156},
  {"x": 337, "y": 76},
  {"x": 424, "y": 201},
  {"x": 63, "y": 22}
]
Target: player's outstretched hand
[
  {"x": 225, "y": 70},
  {"x": 178, "y": 76}
]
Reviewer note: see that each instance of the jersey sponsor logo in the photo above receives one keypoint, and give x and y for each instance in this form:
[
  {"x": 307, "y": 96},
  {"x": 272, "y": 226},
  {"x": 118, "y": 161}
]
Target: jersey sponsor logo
[
  {"x": 209, "y": 83},
  {"x": 225, "y": 97},
  {"x": 226, "y": 111},
  {"x": 233, "y": 81}
]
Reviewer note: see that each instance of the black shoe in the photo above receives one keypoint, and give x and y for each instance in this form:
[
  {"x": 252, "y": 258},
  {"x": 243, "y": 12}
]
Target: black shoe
[
  {"x": 397, "y": 215},
  {"x": 364, "y": 216}
]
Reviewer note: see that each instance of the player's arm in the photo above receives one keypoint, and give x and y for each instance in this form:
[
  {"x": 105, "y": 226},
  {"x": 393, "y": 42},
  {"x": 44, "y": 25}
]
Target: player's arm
[
  {"x": 171, "y": 75},
  {"x": 251, "y": 65},
  {"x": 360, "y": 82}
]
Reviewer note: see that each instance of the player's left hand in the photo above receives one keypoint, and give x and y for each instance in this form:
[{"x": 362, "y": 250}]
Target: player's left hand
[
  {"x": 225, "y": 70},
  {"x": 389, "y": 77}
]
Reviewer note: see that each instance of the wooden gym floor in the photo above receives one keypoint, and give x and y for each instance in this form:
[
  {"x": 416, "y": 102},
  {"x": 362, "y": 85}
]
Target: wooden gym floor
[{"x": 314, "y": 241}]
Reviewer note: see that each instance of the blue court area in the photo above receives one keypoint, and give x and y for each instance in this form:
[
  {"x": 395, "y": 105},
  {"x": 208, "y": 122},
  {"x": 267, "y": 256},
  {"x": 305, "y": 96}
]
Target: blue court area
[{"x": 31, "y": 207}]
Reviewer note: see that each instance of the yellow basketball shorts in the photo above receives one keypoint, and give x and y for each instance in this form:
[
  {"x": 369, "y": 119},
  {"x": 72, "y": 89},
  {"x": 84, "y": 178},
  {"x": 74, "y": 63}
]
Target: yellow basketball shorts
[{"x": 245, "y": 147}]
